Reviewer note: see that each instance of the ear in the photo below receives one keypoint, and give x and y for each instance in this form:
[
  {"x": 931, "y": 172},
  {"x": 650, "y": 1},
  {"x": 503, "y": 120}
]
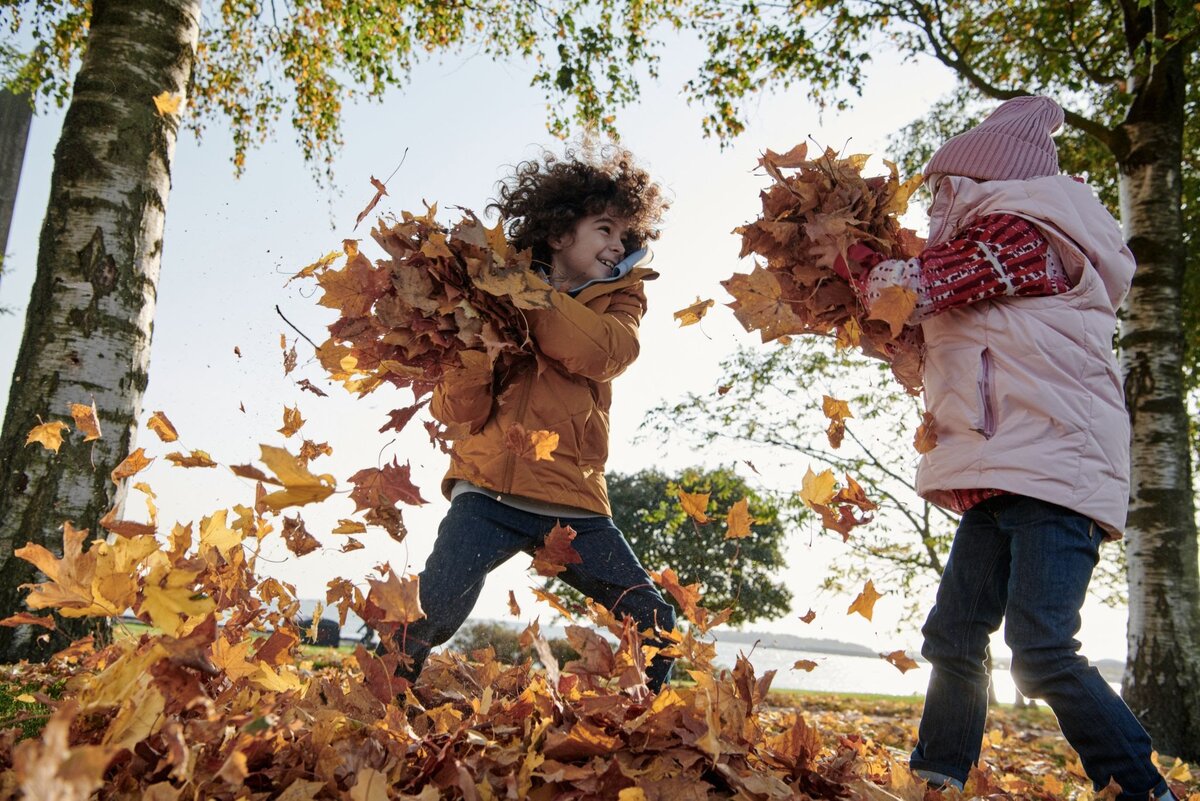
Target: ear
[{"x": 560, "y": 242}]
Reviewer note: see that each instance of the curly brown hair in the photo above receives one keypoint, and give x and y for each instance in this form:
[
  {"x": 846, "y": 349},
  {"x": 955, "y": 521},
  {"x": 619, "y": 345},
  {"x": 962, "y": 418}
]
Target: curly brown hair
[{"x": 545, "y": 197}]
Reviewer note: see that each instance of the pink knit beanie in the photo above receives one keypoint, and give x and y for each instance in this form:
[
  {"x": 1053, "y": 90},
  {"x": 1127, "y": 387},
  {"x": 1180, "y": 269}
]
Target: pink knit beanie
[{"x": 1013, "y": 143}]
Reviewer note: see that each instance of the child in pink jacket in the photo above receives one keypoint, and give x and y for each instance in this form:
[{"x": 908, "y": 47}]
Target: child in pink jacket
[{"x": 1017, "y": 290}]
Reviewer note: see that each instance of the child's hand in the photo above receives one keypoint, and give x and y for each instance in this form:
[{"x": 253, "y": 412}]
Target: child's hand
[
  {"x": 861, "y": 260},
  {"x": 893, "y": 272}
]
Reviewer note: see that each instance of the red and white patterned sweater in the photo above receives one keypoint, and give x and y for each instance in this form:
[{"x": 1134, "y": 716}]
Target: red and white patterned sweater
[{"x": 998, "y": 255}]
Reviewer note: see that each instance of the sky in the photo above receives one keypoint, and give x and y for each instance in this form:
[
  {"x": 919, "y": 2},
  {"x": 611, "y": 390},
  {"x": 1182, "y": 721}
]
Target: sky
[{"x": 231, "y": 244}]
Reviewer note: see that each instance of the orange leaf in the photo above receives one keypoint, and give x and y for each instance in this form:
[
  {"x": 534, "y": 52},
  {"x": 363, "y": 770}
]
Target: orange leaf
[
  {"x": 292, "y": 421},
  {"x": 167, "y": 103},
  {"x": 901, "y": 660},
  {"x": 835, "y": 409},
  {"x": 738, "y": 521},
  {"x": 297, "y": 538},
  {"x": 374, "y": 488},
  {"x": 131, "y": 465},
  {"x": 817, "y": 489},
  {"x": 513, "y": 608},
  {"x": 687, "y": 596},
  {"x": 24, "y": 618},
  {"x": 556, "y": 552},
  {"x": 48, "y": 435},
  {"x": 925, "y": 439},
  {"x": 159, "y": 424},
  {"x": 532, "y": 446},
  {"x": 396, "y": 600},
  {"x": 554, "y": 601},
  {"x": 694, "y": 313},
  {"x": 807, "y": 665},
  {"x": 761, "y": 305},
  {"x": 380, "y": 191},
  {"x": 695, "y": 504},
  {"x": 196, "y": 458},
  {"x": 864, "y": 604},
  {"x": 894, "y": 306},
  {"x": 86, "y": 421},
  {"x": 808, "y": 617}
]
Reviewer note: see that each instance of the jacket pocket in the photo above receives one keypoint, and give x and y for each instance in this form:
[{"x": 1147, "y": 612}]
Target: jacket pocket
[{"x": 986, "y": 424}]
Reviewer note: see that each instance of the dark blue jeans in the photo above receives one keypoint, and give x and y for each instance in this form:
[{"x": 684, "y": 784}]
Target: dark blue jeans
[
  {"x": 479, "y": 534},
  {"x": 1027, "y": 562}
]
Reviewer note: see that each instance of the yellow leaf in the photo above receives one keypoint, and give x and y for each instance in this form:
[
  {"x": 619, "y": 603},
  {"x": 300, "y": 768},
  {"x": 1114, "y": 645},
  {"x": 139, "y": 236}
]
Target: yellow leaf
[
  {"x": 817, "y": 490},
  {"x": 925, "y": 439},
  {"x": 1179, "y": 773},
  {"x": 86, "y": 420},
  {"x": 171, "y": 600},
  {"x": 694, "y": 313},
  {"x": 168, "y": 103},
  {"x": 695, "y": 504},
  {"x": 632, "y": 794},
  {"x": 864, "y": 604},
  {"x": 26, "y": 698},
  {"x": 48, "y": 435},
  {"x": 738, "y": 521},
  {"x": 159, "y": 424},
  {"x": 544, "y": 443},
  {"x": 835, "y": 409},
  {"x": 196, "y": 458},
  {"x": 849, "y": 334},
  {"x": 232, "y": 658},
  {"x": 279, "y": 682},
  {"x": 215, "y": 533},
  {"x": 350, "y": 527},
  {"x": 131, "y": 465},
  {"x": 894, "y": 307},
  {"x": 300, "y": 486},
  {"x": 292, "y": 421}
]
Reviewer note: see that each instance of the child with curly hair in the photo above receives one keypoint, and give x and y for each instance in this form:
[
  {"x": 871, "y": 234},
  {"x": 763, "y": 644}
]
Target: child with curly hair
[
  {"x": 586, "y": 219},
  {"x": 1017, "y": 293}
]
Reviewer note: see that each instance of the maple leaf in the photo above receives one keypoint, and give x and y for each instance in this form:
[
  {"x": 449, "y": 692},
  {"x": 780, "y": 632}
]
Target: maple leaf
[
  {"x": 86, "y": 421},
  {"x": 300, "y": 486},
  {"x": 68, "y": 587},
  {"x": 817, "y": 489},
  {"x": 807, "y": 665},
  {"x": 297, "y": 538},
  {"x": 398, "y": 418},
  {"x": 131, "y": 465},
  {"x": 310, "y": 450},
  {"x": 864, "y": 603},
  {"x": 532, "y": 446},
  {"x": 808, "y": 617},
  {"x": 894, "y": 306},
  {"x": 695, "y": 504},
  {"x": 292, "y": 421},
  {"x": 346, "y": 526},
  {"x": 216, "y": 534},
  {"x": 351, "y": 544},
  {"x": 50, "y": 768},
  {"x": 48, "y": 435},
  {"x": 171, "y": 601},
  {"x": 694, "y": 313},
  {"x": 760, "y": 304},
  {"x": 380, "y": 191},
  {"x": 353, "y": 289},
  {"x": 289, "y": 360},
  {"x": 688, "y": 597},
  {"x": 925, "y": 439},
  {"x": 738, "y": 521},
  {"x": 196, "y": 458},
  {"x": 554, "y": 601},
  {"x": 393, "y": 601},
  {"x": 166, "y": 103},
  {"x": 160, "y": 425},
  {"x": 902, "y": 661},
  {"x": 126, "y": 528},
  {"x": 556, "y": 552},
  {"x": 377, "y": 488},
  {"x": 513, "y": 608}
]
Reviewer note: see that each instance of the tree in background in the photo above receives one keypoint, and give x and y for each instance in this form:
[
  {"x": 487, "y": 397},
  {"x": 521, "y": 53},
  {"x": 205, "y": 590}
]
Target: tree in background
[{"x": 734, "y": 573}]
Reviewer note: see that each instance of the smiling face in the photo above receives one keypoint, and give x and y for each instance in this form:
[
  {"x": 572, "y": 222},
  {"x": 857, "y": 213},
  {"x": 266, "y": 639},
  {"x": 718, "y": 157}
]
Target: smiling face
[{"x": 589, "y": 251}]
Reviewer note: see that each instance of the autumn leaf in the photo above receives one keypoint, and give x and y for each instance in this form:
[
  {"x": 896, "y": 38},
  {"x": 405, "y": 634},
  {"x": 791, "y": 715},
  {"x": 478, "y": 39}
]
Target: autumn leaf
[
  {"x": 350, "y": 545},
  {"x": 556, "y": 552},
  {"x": 694, "y": 313},
  {"x": 24, "y": 618},
  {"x": 760, "y": 304},
  {"x": 172, "y": 602},
  {"x": 807, "y": 665},
  {"x": 902, "y": 661},
  {"x": 554, "y": 601},
  {"x": 86, "y": 421},
  {"x": 160, "y": 425},
  {"x": 837, "y": 411},
  {"x": 300, "y": 486},
  {"x": 167, "y": 103},
  {"x": 131, "y": 465},
  {"x": 375, "y": 488},
  {"x": 48, "y": 767},
  {"x": 308, "y": 386},
  {"x": 925, "y": 439},
  {"x": 196, "y": 458},
  {"x": 738, "y": 521},
  {"x": 894, "y": 306},
  {"x": 513, "y": 608},
  {"x": 380, "y": 191},
  {"x": 864, "y": 604},
  {"x": 808, "y": 617},
  {"x": 296, "y": 536},
  {"x": 688, "y": 597},
  {"x": 695, "y": 504},
  {"x": 532, "y": 446},
  {"x": 817, "y": 489},
  {"x": 394, "y": 600},
  {"x": 346, "y": 526},
  {"x": 292, "y": 421},
  {"x": 48, "y": 435}
]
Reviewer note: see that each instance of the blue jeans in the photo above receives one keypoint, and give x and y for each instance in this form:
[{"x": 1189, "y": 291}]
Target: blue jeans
[
  {"x": 1027, "y": 562},
  {"x": 479, "y": 534}
]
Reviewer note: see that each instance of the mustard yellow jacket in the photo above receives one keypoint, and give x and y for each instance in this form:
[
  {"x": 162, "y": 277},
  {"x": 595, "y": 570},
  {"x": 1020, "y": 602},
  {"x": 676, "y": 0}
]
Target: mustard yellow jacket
[{"x": 590, "y": 339}]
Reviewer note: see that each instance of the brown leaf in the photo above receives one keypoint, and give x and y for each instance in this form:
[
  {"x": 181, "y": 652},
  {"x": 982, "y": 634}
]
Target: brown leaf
[
  {"x": 292, "y": 421},
  {"x": 808, "y": 617},
  {"x": 375, "y": 488},
  {"x": 394, "y": 600},
  {"x": 902, "y": 661},
  {"x": 556, "y": 552},
  {"x": 297, "y": 538},
  {"x": 86, "y": 421},
  {"x": 694, "y": 313},
  {"x": 807, "y": 665},
  {"x": 513, "y": 608},
  {"x": 24, "y": 618},
  {"x": 925, "y": 439},
  {"x": 131, "y": 465},
  {"x": 762, "y": 303},
  {"x": 307, "y": 385},
  {"x": 196, "y": 458},
  {"x": 160, "y": 425},
  {"x": 380, "y": 191},
  {"x": 351, "y": 544}
]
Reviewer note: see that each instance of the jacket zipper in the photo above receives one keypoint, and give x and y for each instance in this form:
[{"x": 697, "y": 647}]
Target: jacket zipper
[
  {"x": 987, "y": 425},
  {"x": 510, "y": 461}
]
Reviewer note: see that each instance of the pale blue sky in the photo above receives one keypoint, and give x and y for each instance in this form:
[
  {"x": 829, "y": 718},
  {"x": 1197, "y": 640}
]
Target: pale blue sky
[{"x": 230, "y": 245}]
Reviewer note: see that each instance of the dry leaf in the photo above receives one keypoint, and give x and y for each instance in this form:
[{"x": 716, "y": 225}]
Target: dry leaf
[
  {"x": 48, "y": 435},
  {"x": 864, "y": 604},
  {"x": 160, "y": 425},
  {"x": 556, "y": 552},
  {"x": 738, "y": 521},
  {"x": 695, "y": 504},
  {"x": 925, "y": 439},
  {"x": 694, "y": 313},
  {"x": 901, "y": 660},
  {"x": 168, "y": 103},
  {"x": 86, "y": 421},
  {"x": 131, "y": 465}
]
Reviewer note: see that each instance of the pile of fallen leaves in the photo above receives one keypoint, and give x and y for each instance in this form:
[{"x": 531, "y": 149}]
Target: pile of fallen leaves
[
  {"x": 823, "y": 225},
  {"x": 443, "y": 299}
]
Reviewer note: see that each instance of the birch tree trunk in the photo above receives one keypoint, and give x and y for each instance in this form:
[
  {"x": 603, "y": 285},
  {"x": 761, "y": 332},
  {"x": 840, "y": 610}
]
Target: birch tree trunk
[
  {"x": 1162, "y": 674},
  {"x": 16, "y": 112},
  {"x": 89, "y": 320}
]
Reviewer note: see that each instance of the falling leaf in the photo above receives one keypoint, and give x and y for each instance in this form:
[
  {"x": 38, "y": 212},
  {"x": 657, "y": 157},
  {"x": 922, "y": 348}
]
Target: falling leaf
[
  {"x": 394, "y": 600},
  {"x": 694, "y": 313},
  {"x": 289, "y": 360},
  {"x": 168, "y": 103},
  {"x": 86, "y": 421},
  {"x": 761, "y": 303},
  {"x": 375, "y": 488},
  {"x": 160, "y": 425},
  {"x": 48, "y": 435},
  {"x": 237, "y": 351},
  {"x": 380, "y": 191},
  {"x": 902, "y": 661},
  {"x": 351, "y": 544},
  {"x": 894, "y": 306},
  {"x": 556, "y": 552},
  {"x": 196, "y": 458},
  {"x": 695, "y": 504},
  {"x": 738, "y": 521},
  {"x": 308, "y": 386},
  {"x": 554, "y": 601},
  {"x": 131, "y": 465},
  {"x": 292, "y": 421},
  {"x": 808, "y": 617},
  {"x": 817, "y": 489},
  {"x": 925, "y": 439},
  {"x": 807, "y": 665},
  {"x": 300, "y": 486},
  {"x": 513, "y": 608},
  {"x": 864, "y": 604},
  {"x": 350, "y": 527},
  {"x": 297, "y": 538},
  {"x": 24, "y": 618}
]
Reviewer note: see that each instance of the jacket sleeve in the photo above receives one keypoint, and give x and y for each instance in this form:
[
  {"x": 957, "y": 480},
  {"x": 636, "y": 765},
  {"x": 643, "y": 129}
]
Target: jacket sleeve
[
  {"x": 463, "y": 399},
  {"x": 595, "y": 345}
]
